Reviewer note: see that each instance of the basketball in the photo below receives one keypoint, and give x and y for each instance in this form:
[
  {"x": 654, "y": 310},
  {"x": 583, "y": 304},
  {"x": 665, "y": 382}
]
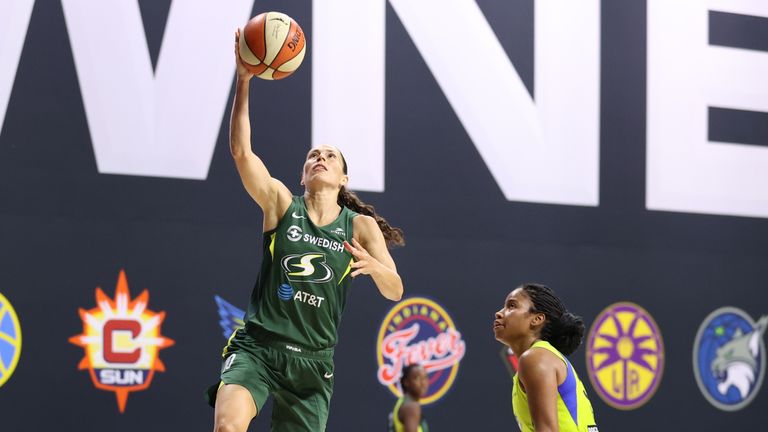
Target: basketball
[{"x": 272, "y": 45}]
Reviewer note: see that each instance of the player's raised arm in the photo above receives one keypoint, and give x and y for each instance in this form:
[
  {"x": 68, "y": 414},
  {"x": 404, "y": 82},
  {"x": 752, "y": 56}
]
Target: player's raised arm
[{"x": 271, "y": 194}]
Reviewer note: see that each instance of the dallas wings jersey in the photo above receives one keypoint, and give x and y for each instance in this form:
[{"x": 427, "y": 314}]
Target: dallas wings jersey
[{"x": 574, "y": 411}]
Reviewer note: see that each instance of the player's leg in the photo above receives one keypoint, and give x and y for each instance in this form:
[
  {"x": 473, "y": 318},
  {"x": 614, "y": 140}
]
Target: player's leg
[
  {"x": 235, "y": 409},
  {"x": 303, "y": 400},
  {"x": 243, "y": 390}
]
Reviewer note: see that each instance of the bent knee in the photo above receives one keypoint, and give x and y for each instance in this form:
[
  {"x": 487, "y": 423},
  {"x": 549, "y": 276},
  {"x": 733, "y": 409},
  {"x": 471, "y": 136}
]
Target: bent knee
[{"x": 225, "y": 425}]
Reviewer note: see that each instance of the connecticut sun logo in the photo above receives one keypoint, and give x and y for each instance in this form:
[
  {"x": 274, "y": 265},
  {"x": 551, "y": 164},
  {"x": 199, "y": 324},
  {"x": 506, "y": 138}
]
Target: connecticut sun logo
[
  {"x": 625, "y": 355},
  {"x": 121, "y": 338},
  {"x": 418, "y": 330}
]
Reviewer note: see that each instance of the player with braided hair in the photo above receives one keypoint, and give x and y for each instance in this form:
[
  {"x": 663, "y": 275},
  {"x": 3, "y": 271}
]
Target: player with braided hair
[{"x": 547, "y": 394}]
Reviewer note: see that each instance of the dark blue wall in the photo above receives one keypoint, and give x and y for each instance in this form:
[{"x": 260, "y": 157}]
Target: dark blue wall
[{"x": 66, "y": 229}]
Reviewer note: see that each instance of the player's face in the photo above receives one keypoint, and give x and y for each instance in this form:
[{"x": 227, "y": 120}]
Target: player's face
[
  {"x": 515, "y": 318},
  {"x": 418, "y": 382},
  {"x": 325, "y": 164}
]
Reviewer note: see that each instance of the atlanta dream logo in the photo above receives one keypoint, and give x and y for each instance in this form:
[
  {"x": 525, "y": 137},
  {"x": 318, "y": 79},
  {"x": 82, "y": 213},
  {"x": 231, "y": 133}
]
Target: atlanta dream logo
[
  {"x": 625, "y": 355},
  {"x": 121, "y": 338},
  {"x": 418, "y": 330},
  {"x": 729, "y": 358}
]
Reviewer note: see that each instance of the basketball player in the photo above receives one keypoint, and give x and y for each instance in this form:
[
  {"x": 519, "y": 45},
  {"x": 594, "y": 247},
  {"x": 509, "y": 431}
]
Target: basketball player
[
  {"x": 406, "y": 416},
  {"x": 547, "y": 395},
  {"x": 314, "y": 245}
]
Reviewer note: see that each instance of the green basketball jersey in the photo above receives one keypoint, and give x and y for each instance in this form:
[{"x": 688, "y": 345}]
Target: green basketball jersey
[
  {"x": 302, "y": 288},
  {"x": 574, "y": 411}
]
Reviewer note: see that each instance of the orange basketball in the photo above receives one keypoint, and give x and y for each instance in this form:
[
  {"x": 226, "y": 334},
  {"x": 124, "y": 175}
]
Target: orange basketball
[{"x": 272, "y": 45}]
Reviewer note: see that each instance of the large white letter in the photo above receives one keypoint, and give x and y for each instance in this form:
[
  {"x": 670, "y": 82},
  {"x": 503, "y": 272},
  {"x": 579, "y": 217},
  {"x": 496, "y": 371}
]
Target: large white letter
[
  {"x": 348, "y": 85},
  {"x": 545, "y": 151},
  {"x": 686, "y": 172},
  {"x": 14, "y": 21},
  {"x": 163, "y": 124}
]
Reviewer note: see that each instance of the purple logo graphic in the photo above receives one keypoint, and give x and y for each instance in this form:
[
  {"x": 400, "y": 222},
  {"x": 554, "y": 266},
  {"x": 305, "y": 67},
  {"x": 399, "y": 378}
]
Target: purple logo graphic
[{"x": 625, "y": 355}]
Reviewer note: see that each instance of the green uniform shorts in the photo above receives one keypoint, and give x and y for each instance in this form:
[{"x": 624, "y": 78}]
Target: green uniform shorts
[{"x": 300, "y": 380}]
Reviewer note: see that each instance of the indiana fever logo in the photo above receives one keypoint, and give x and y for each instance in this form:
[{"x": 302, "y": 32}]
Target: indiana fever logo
[
  {"x": 418, "y": 330},
  {"x": 121, "y": 338},
  {"x": 729, "y": 358},
  {"x": 10, "y": 340},
  {"x": 625, "y": 356}
]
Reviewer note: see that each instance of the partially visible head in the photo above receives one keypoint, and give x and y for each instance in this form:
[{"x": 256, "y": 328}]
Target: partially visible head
[
  {"x": 414, "y": 381},
  {"x": 535, "y": 310},
  {"x": 324, "y": 165}
]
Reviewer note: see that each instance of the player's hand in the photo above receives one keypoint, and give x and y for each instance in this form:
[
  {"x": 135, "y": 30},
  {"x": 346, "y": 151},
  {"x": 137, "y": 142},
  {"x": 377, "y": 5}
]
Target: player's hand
[
  {"x": 242, "y": 72},
  {"x": 364, "y": 262}
]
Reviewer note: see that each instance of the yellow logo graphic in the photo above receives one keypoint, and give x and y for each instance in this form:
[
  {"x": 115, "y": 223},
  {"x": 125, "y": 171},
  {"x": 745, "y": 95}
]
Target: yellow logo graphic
[
  {"x": 10, "y": 340},
  {"x": 625, "y": 355},
  {"x": 121, "y": 338}
]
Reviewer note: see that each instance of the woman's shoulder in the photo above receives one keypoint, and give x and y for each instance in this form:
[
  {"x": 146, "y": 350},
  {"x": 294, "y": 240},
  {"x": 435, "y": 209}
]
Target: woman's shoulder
[{"x": 538, "y": 358}]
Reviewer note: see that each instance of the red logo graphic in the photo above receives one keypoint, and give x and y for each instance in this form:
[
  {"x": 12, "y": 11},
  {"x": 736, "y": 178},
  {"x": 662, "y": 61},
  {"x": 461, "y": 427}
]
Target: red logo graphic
[
  {"x": 418, "y": 330},
  {"x": 121, "y": 338}
]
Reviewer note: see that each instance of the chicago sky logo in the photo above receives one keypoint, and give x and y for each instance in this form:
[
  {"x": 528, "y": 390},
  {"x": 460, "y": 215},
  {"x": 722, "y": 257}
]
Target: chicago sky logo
[
  {"x": 625, "y": 355},
  {"x": 729, "y": 358},
  {"x": 121, "y": 338},
  {"x": 10, "y": 340},
  {"x": 230, "y": 316},
  {"x": 418, "y": 330}
]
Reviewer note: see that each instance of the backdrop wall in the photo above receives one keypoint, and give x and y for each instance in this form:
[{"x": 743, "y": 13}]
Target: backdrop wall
[{"x": 661, "y": 204}]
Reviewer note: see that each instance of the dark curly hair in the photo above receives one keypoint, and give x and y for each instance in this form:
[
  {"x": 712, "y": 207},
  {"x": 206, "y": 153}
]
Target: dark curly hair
[
  {"x": 392, "y": 235},
  {"x": 562, "y": 329}
]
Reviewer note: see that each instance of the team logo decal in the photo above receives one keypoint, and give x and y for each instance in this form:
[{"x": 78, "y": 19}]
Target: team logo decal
[
  {"x": 10, "y": 340},
  {"x": 625, "y": 355},
  {"x": 121, "y": 338},
  {"x": 307, "y": 267},
  {"x": 418, "y": 330},
  {"x": 510, "y": 360},
  {"x": 729, "y": 358},
  {"x": 230, "y": 317}
]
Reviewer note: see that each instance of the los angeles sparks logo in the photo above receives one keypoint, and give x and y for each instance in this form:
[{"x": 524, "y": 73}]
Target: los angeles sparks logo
[
  {"x": 418, "y": 330},
  {"x": 121, "y": 338},
  {"x": 625, "y": 355}
]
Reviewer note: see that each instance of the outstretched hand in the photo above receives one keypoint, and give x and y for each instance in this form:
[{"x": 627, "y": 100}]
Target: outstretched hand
[
  {"x": 364, "y": 262},
  {"x": 242, "y": 72}
]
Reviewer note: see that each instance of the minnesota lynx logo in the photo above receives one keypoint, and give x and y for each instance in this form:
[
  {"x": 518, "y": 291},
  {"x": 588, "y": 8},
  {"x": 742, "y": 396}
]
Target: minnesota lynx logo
[
  {"x": 307, "y": 267},
  {"x": 729, "y": 358}
]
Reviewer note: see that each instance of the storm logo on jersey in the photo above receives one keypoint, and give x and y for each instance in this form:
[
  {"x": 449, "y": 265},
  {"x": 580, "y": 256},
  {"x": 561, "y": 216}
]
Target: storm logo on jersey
[
  {"x": 729, "y": 358},
  {"x": 122, "y": 339},
  {"x": 418, "y": 330},
  {"x": 307, "y": 267}
]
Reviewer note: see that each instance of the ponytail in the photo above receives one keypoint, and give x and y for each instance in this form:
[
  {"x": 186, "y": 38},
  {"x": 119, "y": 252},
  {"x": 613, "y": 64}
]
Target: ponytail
[
  {"x": 562, "y": 329},
  {"x": 392, "y": 235}
]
